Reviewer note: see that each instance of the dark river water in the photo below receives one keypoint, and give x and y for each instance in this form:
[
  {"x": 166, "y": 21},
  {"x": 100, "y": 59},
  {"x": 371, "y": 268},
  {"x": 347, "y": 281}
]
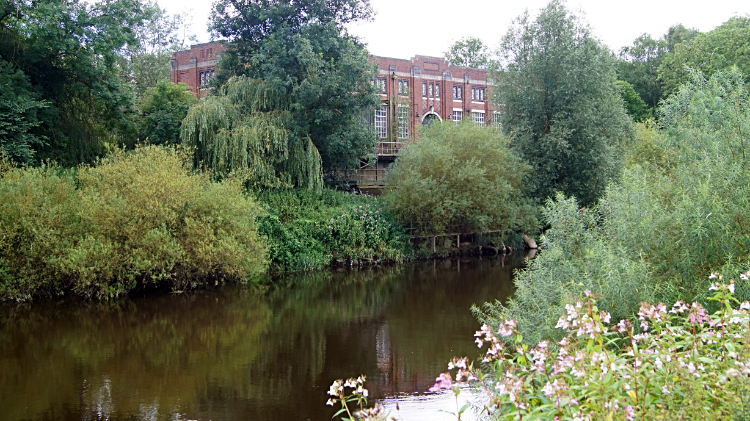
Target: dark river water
[{"x": 240, "y": 354}]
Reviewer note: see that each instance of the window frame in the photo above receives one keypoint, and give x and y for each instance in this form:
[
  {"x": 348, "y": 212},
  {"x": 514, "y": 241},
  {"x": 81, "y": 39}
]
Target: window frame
[
  {"x": 402, "y": 116},
  {"x": 381, "y": 121}
]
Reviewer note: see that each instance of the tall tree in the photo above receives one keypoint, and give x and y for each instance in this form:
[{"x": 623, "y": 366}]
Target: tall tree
[
  {"x": 302, "y": 51},
  {"x": 147, "y": 62},
  {"x": 725, "y": 46},
  {"x": 161, "y": 111},
  {"x": 562, "y": 108},
  {"x": 640, "y": 62},
  {"x": 68, "y": 53},
  {"x": 249, "y": 127},
  {"x": 468, "y": 52}
]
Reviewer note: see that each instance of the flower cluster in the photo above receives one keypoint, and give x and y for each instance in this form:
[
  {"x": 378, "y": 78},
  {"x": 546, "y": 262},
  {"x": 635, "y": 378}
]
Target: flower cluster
[
  {"x": 616, "y": 371},
  {"x": 365, "y": 231}
]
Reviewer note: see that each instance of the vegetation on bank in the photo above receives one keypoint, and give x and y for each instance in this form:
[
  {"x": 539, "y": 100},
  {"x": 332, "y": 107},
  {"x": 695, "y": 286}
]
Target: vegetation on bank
[
  {"x": 681, "y": 362},
  {"x": 679, "y": 213},
  {"x": 311, "y": 229},
  {"x": 461, "y": 178},
  {"x": 135, "y": 219}
]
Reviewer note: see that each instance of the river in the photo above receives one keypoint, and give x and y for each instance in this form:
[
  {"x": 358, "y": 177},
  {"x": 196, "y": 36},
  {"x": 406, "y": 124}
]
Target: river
[{"x": 232, "y": 353}]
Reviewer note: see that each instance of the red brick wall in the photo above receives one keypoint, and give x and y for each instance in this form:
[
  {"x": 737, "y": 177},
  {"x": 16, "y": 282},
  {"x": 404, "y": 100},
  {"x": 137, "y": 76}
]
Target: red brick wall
[
  {"x": 187, "y": 65},
  {"x": 432, "y": 70}
]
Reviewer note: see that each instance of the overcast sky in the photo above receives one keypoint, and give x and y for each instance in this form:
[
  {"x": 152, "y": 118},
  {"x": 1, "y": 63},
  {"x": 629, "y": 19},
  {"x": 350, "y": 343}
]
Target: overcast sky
[{"x": 405, "y": 28}]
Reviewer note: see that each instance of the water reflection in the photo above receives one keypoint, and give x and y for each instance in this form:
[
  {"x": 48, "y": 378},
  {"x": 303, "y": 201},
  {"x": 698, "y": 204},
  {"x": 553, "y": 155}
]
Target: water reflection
[{"x": 240, "y": 354}]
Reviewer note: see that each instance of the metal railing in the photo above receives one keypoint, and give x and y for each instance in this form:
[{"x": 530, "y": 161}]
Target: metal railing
[{"x": 390, "y": 148}]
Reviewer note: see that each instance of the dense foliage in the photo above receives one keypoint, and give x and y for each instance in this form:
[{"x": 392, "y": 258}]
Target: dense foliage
[
  {"x": 247, "y": 126},
  {"x": 682, "y": 363},
  {"x": 719, "y": 49},
  {"x": 161, "y": 111},
  {"x": 302, "y": 52},
  {"x": 468, "y": 52},
  {"x": 140, "y": 218},
  {"x": 462, "y": 178},
  {"x": 562, "y": 109},
  {"x": 67, "y": 52},
  {"x": 308, "y": 230},
  {"x": 634, "y": 105},
  {"x": 680, "y": 212},
  {"x": 639, "y": 63}
]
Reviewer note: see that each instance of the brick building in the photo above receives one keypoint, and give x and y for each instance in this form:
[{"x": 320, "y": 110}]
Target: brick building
[
  {"x": 416, "y": 92},
  {"x": 196, "y": 66},
  {"x": 425, "y": 89},
  {"x": 413, "y": 92}
]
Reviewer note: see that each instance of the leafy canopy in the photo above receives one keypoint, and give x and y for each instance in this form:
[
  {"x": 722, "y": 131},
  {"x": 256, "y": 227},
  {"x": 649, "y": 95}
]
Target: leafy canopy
[
  {"x": 726, "y": 46},
  {"x": 161, "y": 112},
  {"x": 638, "y": 63},
  {"x": 303, "y": 52},
  {"x": 67, "y": 52},
  {"x": 634, "y": 105},
  {"x": 563, "y": 111},
  {"x": 248, "y": 126},
  {"x": 468, "y": 52},
  {"x": 460, "y": 177}
]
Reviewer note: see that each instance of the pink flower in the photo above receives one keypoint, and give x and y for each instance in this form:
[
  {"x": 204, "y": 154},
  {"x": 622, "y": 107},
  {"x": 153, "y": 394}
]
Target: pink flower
[{"x": 443, "y": 382}]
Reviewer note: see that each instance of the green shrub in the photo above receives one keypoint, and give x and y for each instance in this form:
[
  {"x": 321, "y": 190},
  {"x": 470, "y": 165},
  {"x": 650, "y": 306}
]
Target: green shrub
[
  {"x": 135, "y": 217},
  {"x": 576, "y": 256},
  {"x": 307, "y": 229},
  {"x": 680, "y": 211},
  {"x": 460, "y": 177}
]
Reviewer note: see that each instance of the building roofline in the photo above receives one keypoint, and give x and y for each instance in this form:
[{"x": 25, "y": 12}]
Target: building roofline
[
  {"x": 416, "y": 57},
  {"x": 193, "y": 46}
]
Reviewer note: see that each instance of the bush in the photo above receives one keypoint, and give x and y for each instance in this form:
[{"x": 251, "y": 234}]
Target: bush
[
  {"x": 307, "y": 229},
  {"x": 140, "y": 217},
  {"x": 460, "y": 177},
  {"x": 681, "y": 210},
  {"x": 576, "y": 256}
]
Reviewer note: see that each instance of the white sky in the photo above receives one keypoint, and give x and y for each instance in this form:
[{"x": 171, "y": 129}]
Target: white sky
[{"x": 405, "y": 28}]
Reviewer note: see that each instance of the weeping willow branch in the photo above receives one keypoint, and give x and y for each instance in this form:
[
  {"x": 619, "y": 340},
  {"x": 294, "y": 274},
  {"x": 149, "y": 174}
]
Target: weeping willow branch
[{"x": 248, "y": 127}]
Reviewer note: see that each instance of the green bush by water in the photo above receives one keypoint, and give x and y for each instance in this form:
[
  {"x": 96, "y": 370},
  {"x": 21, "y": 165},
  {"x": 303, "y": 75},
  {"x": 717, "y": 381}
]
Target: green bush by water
[
  {"x": 462, "y": 178},
  {"x": 680, "y": 212},
  {"x": 139, "y": 217},
  {"x": 308, "y": 229}
]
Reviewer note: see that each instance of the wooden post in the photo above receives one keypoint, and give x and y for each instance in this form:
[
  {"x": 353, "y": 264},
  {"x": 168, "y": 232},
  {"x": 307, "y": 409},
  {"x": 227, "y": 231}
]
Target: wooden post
[
  {"x": 434, "y": 250},
  {"x": 458, "y": 241}
]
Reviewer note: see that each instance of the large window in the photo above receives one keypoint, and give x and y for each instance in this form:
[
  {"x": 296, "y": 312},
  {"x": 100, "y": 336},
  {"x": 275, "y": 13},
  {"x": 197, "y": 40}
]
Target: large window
[
  {"x": 478, "y": 117},
  {"x": 381, "y": 122},
  {"x": 458, "y": 92},
  {"x": 380, "y": 85},
  {"x": 431, "y": 91},
  {"x": 496, "y": 120},
  {"x": 437, "y": 90},
  {"x": 403, "y": 122},
  {"x": 205, "y": 77},
  {"x": 477, "y": 94},
  {"x": 403, "y": 87},
  {"x": 424, "y": 89},
  {"x": 458, "y": 116}
]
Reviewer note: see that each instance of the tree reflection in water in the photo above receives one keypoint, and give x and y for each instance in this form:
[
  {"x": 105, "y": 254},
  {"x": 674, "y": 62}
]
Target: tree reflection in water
[{"x": 240, "y": 354}]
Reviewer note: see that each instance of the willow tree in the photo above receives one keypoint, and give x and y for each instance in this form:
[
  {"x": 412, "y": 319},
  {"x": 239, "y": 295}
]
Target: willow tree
[
  {"x": 304, "y": 49},
  {"x": 248, "y": 126}
]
